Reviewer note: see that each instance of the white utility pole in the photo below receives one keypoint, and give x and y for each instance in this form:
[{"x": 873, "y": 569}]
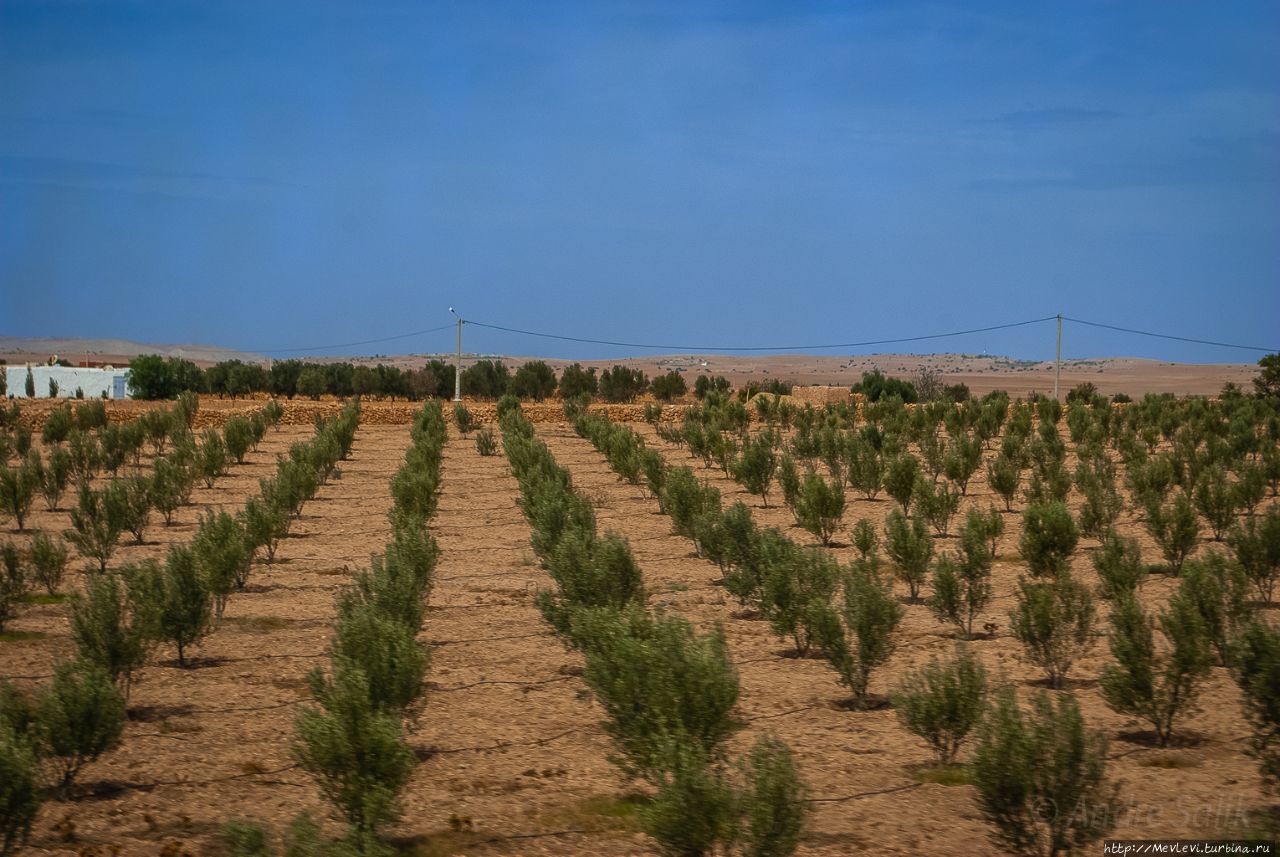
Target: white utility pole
[
  {"x": 1057, "y": 363},
  {"x": 457, "y": 365}
]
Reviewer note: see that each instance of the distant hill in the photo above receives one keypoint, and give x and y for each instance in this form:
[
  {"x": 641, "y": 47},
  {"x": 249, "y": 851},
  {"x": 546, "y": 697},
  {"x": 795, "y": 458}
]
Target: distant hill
[{"x": 22, "y": 350}]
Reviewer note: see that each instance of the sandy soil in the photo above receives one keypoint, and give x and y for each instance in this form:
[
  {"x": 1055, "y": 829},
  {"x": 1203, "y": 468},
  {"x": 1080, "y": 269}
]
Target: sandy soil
[{"x": 511, "y": 742}]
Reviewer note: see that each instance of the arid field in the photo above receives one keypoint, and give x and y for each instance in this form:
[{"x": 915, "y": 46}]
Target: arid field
[{"x": 513, "y": 756}]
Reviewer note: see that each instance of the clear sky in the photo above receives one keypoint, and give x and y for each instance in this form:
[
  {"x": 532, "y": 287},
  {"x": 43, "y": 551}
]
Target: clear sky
[{"x": 270, "y": 174}]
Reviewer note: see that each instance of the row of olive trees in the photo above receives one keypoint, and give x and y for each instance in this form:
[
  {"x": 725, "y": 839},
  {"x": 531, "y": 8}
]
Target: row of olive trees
[
  {"x": 46, "y": 738},
  {"x": 353, "y": 741},
  {"x": 1022, "y": 762},
  {"x": 668, "y": 692}
]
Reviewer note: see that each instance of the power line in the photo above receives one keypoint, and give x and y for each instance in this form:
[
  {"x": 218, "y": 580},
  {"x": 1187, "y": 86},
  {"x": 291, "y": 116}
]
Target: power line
[
  {"x": 745, "y": 348},
  {"x": 1170, "y": 336},
  {"x": 350, "y": 344}
]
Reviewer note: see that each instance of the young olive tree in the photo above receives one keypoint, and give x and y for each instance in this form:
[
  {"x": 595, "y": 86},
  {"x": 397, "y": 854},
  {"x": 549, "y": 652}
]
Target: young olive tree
[
  {"x": 908, "y": 544},
  {"x": 1049, "y": 538},
  {"x": 1257, "y": 671},
  {"x": 858, "y": 637},
  {"x": 81, "y": 716},
  {"x": 1054, "y": 622},
  {"x": 943, "y": 702}
]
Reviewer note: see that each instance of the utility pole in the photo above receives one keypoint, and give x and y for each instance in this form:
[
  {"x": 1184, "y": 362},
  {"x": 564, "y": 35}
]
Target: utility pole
[
  {"x": 457, "y": 365},
  {"x": 1057, "y": 363}
]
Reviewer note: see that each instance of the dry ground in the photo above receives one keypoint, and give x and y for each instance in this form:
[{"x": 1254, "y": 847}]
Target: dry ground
[{"x": 511, "y": 742}]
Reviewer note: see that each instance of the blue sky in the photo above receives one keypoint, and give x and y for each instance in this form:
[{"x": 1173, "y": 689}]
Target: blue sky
[{"x": 269, "y": 175}]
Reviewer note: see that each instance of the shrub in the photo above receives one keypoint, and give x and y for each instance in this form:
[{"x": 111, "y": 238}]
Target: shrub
[
  {"x": 656, "y": 679},
  {"x": 705, "y": 384},
  {"x": 382, "y": 649},
  {"x": 534, "y": 380},
  {"x": 774, "y": 800},
  {"x": 237, "y": 437},
  {"x": 1256, "y": 543},
  {"x": 1217, "y": 589},
  {"x": 170, "y": 488},
  {"x": 590, "y": 572},
  {"x": 793, "y": 580},
  {"x": 621, "y": 384},
  {"x": 936, "y": 504},
  {"x": 130, "y": 500},
  {"x": 901, "y": 474},
  {"x": 686, "y": 499},
  {"x": 863, "y": 467},
  {"x": 668, "y": 387},
  {"x": 859, "y": 637},
  {"x": 486, "y": 443},
  {"x": 1041, "y": 777},
  {"x": 864, "y": 538},
  {"x": 1049, "y": 538},
  {"x": 211, "y": 458},
  {"x": 1216, "y": 499},
  {"x": 357, "y": 753},
  {"x": 57, "y": 425},
  {"x": 96, "y": 526},
  {"x": 112, "y": 623},
  {"x": 48, "y": 561},
  {"x": 789, "y": 483},
  {"x": 1155, "y": 689},
  {"x": 694, "y": 808},
  {"x": 54, "y": 475},
  {"x": 962, "y": 461},
  {"x": 183, "y": 603},
  {"x": 223, "y": 555},
  {"x": 1257, "y": 671},
  {"x": 156, "y": 426},
  {"x": 820, "y": 506},
  {"x": 943, "y": 702},
  {"x": 264, "y": 524},
  {"x": 756, "y": 464},
  {"x": 81, "y": 717},
  {"x": 1054, "y": 622},
  {"x": 1102, "y": 504},
  {"x": 908, "y": 544},
  {"x": 1004, "y": 475},
  {"x": 296, "y": 482},
  {"x": 29, "y": 386},
  {"x": 576, "y": 382},
  {"x": 19, "y": 786},
  {"x": 875, "y": 385},
  {"x": 962, "y": 586},
  {"x": 113, "y": 441},
  {"x": 18, "y": 487},
  {"x": 1175, "y": 529},
  {"x": 13, "y": 583},
  {"x": 1119, "y": 566},
  {"x": 463, "y": 419},
  {"x": 86, "y": 455},
  {"x": 485, "y": 379}
]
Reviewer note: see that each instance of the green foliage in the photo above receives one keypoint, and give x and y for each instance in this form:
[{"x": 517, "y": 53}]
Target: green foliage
[
  {"x": 1049, "y": 538},
  {"x": 1257, "y": 671},
  {"x": 1267, "y": 382},
  {"x": 237, "y": 437},
  {"x": 686, "y": 499},
  {"x": 793, "y": 580},
  {"x": 48, "y": 561},
  {"x": 19, "y": 786},
  {"x": 864, "y": 537},
  {"x": 1004, "y": 475},
  {"x": 875, "y": 385},
  {"x": 57, "y": 425},
  {"x": 668, "y": 387},
  {"x": 1054, "y": 622},
  {"x": 1256, "y": 543},
  {"x": 858, "y": 637},
  {"x": 86, "y": 456},
  {"x": 29, "y": 386},
  {"x": 170, "y": 487},
  {"x": 943, "y": 702},
  {"x": 223, "y": 555},
  {"x": 756, "y": 465},
  {"x": 908, "y": 544},
  {"x": 901, "y": 474},
  {"x": 156, "y": 426},
  {"x": 312, "y": 382},
  {"x": 264, "y": 523},
  {"x": 1096, "y": 479},
  {"x": 534, "y": 380},
  {"x": 112, "y": 623},
  {"x": 657, "y": 680},
  {"x": 694, "y": 808},
  {"x": 357, "y": 753},
  {"x": 1216, "y": 499},
  {"x": 590, "y": 572},
  {"x": 1216, "y": 588},
  {"x": 96, "y": 525},
  {"x": 620, "y": 384},
  {"x": 820, "y": 506},
  {"x": 1157, "y": 689},
  {"x": 463, "y": 419},
  {"x": 54, "y": 476},
  {"x": 13, "y": 582},
  {"x": 1119, "y": 566},
  {"x": 150, "y": 377},
  {"x": 863, "y": 467},
  {"x": 1175, "y": 529},
  {"x": 1041, "y": 776},
  {"x": 576, "y": 382},
  {"x": 129, "y": 499},
  {"x": 773, "y": 801},
  {"x": 183, "y": 609},
  {"x": 18, "y": 487},
  {"x": 81, "y": 716},
  {"x": 486, "y": 442},
  {"x": 211, "y": 457},
  {"x": 937, "y": 504},
  {"x": 705, "y": 384},
  {"x": 381, "y": 648},
  {"x": 962, "y": 585}
]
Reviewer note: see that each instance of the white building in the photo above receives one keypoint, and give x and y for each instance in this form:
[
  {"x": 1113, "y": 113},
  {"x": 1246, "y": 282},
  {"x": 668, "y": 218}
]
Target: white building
[{"x": 109, "y": 383}]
